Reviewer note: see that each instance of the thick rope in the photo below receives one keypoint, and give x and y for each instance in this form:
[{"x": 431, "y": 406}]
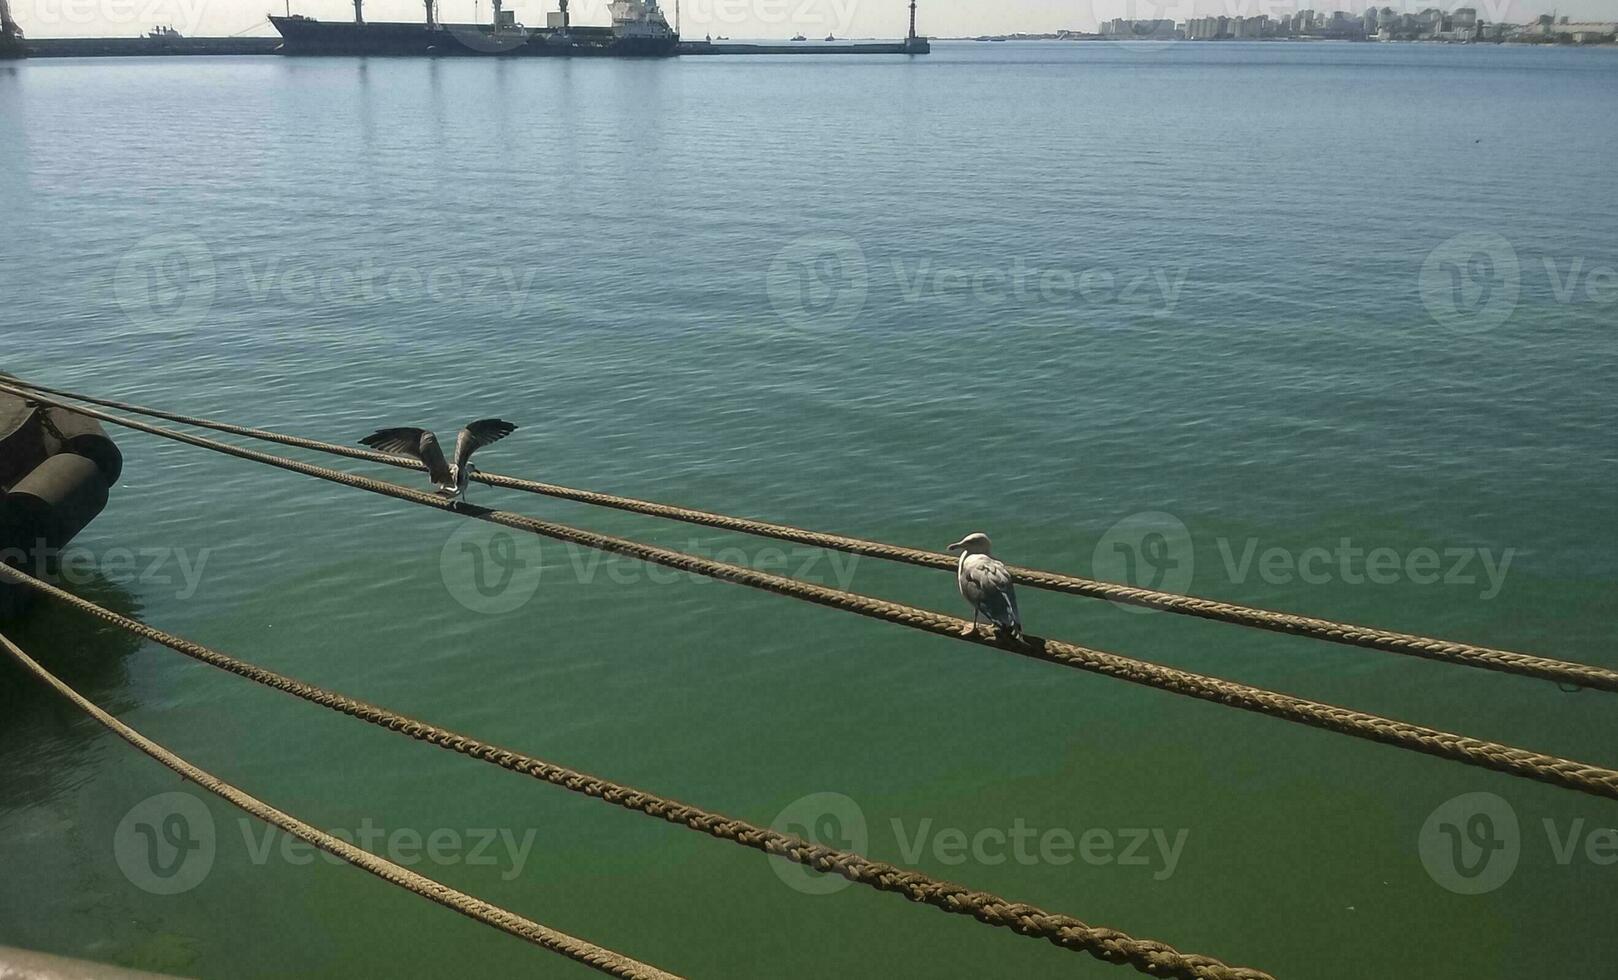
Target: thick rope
[
  {"x": 1545, "y": 668},
  {"x": 1583, "y": 777},
  {"x": 508, "y": 922},
  {"x": 1147, "y": 956}
]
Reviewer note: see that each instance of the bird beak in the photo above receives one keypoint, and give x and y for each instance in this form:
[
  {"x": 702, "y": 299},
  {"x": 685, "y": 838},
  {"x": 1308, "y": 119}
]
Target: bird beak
[{"x": 957, "y": 546}]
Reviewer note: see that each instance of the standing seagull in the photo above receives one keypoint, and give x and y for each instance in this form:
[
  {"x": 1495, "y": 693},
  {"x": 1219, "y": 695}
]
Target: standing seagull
[
  {"x": 449, "y": 480},
  {"x": 986, "y": 583}
]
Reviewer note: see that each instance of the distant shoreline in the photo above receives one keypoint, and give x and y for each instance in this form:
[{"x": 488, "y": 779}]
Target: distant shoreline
[{"x": 1105, "y": 39}]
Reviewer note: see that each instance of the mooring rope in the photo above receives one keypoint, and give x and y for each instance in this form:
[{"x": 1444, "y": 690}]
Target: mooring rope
[
  {"x": 1110, "y": 945},
  {"x": 1408, "y": 644},
  {"x": 511, "y": 923},
  {"x": 1583, "y": 777}
]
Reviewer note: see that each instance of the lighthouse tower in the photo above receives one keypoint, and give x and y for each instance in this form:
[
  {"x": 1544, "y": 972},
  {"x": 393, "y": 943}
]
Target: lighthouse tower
[{"x": 913, "y": 43}]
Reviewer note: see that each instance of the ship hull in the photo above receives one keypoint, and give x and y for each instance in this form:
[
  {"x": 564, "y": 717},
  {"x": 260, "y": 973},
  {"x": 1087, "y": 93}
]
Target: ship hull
[
  {"x": 11, "y": 46},
  {"x": 304, "y": 36}
]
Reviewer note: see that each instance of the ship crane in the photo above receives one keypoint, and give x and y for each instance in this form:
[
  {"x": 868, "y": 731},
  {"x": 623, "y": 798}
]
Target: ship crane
[{"x": 9, "y": 31}]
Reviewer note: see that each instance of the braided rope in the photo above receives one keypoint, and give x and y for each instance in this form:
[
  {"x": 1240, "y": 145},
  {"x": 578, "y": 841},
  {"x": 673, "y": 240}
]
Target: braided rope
[
  {"x": 508, "y": 922},
  {"x": 1544, "y": 668},
  {"x": 1583, "y": 777},
  {"x": 1147, "y": 956}
]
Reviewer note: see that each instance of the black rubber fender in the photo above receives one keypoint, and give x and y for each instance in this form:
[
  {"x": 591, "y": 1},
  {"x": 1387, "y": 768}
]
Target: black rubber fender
[
  {"x": 54, "y": 503},
  {"x": 22, "y": 443},
  {"x": 68, "y": 432}
]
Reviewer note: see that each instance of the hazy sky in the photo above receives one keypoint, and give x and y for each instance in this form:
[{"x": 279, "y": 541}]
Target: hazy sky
[{"x": 737, "y": 18}]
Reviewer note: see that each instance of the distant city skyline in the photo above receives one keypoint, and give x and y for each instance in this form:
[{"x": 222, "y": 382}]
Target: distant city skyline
[{"x": 739, "y": 18}]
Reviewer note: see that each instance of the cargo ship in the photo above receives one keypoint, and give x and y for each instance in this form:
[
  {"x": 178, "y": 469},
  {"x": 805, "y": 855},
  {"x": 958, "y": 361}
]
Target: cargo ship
[{"x": 638, "y": 29}]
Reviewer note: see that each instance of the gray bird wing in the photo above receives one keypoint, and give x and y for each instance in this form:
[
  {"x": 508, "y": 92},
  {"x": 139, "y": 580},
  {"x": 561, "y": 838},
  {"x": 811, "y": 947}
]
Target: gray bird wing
[
  {"x": 986, "y": 584},
  {"x": 417, "y": 443},
  {"x": 477, "y": 435}
]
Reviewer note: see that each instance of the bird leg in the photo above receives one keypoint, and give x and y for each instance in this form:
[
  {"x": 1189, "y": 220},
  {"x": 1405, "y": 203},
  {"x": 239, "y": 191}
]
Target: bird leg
[{"x": 974, "y": 627}]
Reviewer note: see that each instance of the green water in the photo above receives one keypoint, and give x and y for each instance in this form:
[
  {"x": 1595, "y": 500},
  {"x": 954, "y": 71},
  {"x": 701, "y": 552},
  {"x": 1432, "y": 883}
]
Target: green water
[{"x": 1150, "y": 315}]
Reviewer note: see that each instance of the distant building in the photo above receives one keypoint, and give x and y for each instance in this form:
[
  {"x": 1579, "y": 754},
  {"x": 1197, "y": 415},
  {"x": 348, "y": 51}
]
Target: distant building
[
  {"x": 1583, "y": 32},
  {"x": 1245, "y": 27},
  {"x": 1382, "y": 23}
]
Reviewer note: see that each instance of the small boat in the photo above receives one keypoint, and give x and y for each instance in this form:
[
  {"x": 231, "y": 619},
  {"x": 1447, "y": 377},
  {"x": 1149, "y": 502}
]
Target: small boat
[
  {"x": 799, "y": 37},
  {"x": 830, "y": 38}
]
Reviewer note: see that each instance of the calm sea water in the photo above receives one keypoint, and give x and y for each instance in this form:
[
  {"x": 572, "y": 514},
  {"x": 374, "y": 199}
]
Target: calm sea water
[{"x": 1232, "y": 319}]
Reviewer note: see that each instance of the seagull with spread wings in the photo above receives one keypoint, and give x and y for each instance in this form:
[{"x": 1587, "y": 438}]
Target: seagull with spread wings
[
  {"x": 985, "y": 582},
  {"x": 449, "y": 479}
]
